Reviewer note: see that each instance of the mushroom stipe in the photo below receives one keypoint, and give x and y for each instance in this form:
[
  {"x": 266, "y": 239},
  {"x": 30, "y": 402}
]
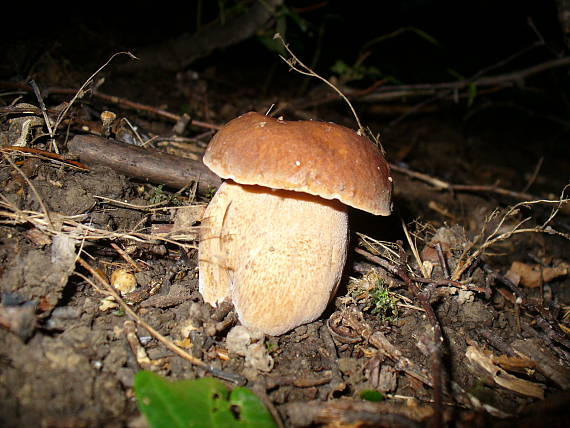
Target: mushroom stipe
[
  {"x": 274, "y": 237},
  {"x": 282, "y": 254}
]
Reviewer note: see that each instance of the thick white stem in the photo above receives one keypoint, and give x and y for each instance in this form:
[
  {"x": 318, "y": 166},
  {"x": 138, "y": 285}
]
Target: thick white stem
[{"x": 277, "y": 254}]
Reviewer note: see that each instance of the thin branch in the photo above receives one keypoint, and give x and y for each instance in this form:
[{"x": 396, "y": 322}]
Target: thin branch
[
  {"x": 47, "y": 121},
  {"x": 79, "y": 93},
  {"x": 440, "y": 184},
  {"x": 307, "y": 71},
  {"x": 495, "y": 236},
  {"x": 112, "y": 99},
  {"x": 125, "y": 103},
  {"x": 414, "y": 248},
  {"x": 384, "y": 93},
  {"x": 43, "y": 154}
]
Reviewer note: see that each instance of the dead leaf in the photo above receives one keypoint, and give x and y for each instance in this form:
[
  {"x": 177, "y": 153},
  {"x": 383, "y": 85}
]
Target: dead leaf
[{"x": 534, "y": 275}]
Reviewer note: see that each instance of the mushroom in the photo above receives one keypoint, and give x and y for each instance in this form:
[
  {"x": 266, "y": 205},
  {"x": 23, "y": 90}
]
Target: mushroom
[{"x": 274, "y": 236}]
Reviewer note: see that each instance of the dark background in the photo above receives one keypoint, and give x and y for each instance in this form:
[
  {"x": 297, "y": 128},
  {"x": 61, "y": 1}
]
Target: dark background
[
  {"x": 471, "y": 34},
  {"x": 445, "y": 41}
]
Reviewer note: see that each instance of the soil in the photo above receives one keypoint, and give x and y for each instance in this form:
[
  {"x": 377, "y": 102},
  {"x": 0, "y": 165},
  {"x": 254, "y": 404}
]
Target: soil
[{"x": 65, "y": 356}]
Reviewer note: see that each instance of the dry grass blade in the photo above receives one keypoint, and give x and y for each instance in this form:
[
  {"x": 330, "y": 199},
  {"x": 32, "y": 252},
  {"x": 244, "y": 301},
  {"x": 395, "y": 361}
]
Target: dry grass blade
[
  {"x": 72, "y": 226},
  {"x": 301, "y": 68},
  {"x": 166, "y": 342},
  {"x": 414, "y": 250},
  {"x": 495, "y": 236},
  {"x": 390, "y": 249},
  {"x": 82, "y": 89},
  {"x": 45, "y": 155},
  {"x": 32, "y": 187}
]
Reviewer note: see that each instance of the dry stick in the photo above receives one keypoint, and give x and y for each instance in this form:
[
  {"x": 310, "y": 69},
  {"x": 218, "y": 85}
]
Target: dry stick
[
  {"x": 442, "y": 260},
  {"x": 444, "y": 185},
  {"x": 140, "y": 353},
  {"x": 379, "y": 92},
  {"x": 127, "y": 257},
  {"x": 390, "y": 92},
  {"x": 91, "y": 124},
  {"x": 47, "y": 121},
  {"x": 307, "y": 71},
  {"x": 123, "y": 102},
  {"x": 231, "y": 377},
  {"x": 475, "y": 81},
  {"x": 495, "y": 236},
  {"x": 534, "y": 174},
  {"x": 414, "y": 249},
  {"x": 148, "y": 165}
]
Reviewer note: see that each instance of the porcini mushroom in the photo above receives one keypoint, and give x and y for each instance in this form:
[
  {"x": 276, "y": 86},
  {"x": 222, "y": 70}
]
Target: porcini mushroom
[{"x": 274, "y": 236}]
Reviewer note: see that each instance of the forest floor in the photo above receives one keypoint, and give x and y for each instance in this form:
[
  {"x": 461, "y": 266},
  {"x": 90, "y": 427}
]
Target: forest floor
[{"x": 478, "y": 189}]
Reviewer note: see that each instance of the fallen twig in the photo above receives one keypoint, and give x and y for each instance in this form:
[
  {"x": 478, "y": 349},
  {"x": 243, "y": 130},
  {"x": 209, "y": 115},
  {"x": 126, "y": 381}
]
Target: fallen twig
[
  {"x": 440, "y": 184},
  {"x": 356, "y": 413},
  {"x": 384, "y": 93},
  {"x": 297, "y": 65},
  {"x": 468, "y": 256},
  {"x": 121, "y": 102},
  {"x": 148, "y": 165}
]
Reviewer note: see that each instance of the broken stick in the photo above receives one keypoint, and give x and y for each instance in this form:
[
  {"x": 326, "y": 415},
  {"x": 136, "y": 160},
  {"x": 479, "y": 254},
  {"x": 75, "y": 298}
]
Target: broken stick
[{"x": 147, "y": 165}]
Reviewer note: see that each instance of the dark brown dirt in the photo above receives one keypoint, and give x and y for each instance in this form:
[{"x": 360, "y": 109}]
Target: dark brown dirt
[{"x": 65, "y": 360}]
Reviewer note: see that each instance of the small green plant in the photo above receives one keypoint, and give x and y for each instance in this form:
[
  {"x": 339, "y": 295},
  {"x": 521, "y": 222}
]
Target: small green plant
[
  {"x": 374, "y": 293},
  {"x": 371, "y": 395},
  {"x": 357, "y": 71},
  {"x": 211, "y": 192},
  {"x": 204, "y": 403},
  {"x": 271, "y": 346},
  {"x": 383, "y": 303},
  {"x": 158, "y": 195}
]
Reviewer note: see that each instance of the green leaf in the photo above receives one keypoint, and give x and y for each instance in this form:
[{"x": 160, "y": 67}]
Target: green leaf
[
  {"x": 200, "y": 403},
  {"x": 371, "y": 395}
]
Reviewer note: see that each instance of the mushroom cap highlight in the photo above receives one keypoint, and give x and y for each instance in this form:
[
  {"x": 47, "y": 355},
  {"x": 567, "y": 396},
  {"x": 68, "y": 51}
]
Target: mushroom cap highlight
[{"x": 319, "y": 158}]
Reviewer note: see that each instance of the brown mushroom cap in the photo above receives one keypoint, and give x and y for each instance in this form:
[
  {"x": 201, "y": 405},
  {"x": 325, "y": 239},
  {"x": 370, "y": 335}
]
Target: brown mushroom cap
[{"x": 319, "y": 158}]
